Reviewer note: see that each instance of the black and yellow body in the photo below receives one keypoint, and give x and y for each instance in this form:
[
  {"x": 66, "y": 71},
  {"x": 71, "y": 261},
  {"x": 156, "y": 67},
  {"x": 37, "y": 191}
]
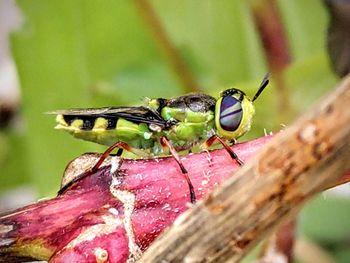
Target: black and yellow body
[{"x": 185, "y": 121}]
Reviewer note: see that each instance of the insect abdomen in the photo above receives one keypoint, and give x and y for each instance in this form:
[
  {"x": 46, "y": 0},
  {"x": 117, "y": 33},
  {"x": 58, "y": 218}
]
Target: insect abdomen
[{"x": 105, "y": 131}]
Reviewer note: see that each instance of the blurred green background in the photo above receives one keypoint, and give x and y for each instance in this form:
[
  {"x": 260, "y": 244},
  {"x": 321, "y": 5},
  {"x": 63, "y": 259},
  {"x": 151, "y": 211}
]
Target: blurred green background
[{"x": 99, "y": 53}]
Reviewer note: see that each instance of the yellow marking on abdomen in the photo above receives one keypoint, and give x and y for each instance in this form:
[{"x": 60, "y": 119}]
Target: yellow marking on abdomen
[
  {"x": 60, "y": 120},
  {"x": 77, "y": 124},
  {"x": 63, "y": 125},
  {"x": 100, "y": 124}
]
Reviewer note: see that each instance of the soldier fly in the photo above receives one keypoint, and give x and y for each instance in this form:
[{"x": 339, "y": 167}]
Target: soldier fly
[{"x": 163, "y": 126}]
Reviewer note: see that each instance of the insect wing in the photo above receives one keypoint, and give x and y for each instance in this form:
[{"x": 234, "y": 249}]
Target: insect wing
[{"x": 134, "y": 114}]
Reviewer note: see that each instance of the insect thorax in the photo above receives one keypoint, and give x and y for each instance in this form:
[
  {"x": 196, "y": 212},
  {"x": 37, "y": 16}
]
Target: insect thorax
[{"x": 194, "y": 115}]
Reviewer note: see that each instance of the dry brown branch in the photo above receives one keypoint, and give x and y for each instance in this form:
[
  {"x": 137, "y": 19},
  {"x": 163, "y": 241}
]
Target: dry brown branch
[{"x": 297, "y": 164}]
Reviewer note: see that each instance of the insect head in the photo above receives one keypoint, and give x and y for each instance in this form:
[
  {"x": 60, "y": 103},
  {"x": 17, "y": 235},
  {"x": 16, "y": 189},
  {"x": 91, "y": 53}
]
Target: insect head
[{"x": 234, "y": 111}]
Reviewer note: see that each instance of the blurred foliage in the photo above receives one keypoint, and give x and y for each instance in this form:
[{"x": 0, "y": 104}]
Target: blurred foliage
[
  {"x": 97, "y": 53},
  {"x": 326, "y": 220}
]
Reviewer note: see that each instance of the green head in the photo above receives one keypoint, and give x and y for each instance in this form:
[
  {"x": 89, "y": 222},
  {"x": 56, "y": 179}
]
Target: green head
[{"x": 234, "y": 111}]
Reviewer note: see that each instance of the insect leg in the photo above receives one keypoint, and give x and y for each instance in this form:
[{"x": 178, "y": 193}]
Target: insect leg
[
  {"x": 121, "y": 145},
  {"x": 166, "y": 144},
  {"x": 213, "y": 138}
]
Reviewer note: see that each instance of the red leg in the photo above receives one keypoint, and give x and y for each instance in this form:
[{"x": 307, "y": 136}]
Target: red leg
[
  {"x": 121, "y": 145},
  {"x": 213, "y": 138},
  {"x": 166, "y": 144}
]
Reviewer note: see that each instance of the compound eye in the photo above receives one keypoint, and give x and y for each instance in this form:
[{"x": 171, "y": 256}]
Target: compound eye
[{"x": 230, "y": 113}]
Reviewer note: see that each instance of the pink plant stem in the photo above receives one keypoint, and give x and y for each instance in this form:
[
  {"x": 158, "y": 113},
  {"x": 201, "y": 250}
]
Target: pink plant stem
[{"x": 113, "y": 219}]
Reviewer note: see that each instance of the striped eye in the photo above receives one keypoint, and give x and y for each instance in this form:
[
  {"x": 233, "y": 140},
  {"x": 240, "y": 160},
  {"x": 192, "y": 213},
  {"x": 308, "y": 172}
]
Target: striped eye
[{"x": 230, "y": 113}]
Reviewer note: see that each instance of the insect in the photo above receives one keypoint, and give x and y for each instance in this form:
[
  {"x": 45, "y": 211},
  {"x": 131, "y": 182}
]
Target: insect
[{"x": 164, "y": 126}]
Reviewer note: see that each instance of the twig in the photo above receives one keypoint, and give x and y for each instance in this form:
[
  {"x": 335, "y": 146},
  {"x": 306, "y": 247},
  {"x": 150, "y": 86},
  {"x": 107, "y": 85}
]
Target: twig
[
  {"x": 164, "y": 42},
  {"x": 293, "y": 167}
]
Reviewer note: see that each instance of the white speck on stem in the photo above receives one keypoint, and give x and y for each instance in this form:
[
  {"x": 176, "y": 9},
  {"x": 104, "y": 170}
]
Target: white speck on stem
[
  {"x": 166, "y": 207},
  {"x": 5, "y": 229},
  {"x": 113, "y": 211},
  {"x": 308, "y": 133},
  {"x": 101, "y": 255}
]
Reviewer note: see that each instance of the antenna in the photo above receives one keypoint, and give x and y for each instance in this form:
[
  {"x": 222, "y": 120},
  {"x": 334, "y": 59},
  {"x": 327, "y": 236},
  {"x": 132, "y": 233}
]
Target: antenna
[{"x": 263, "y": 85}]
